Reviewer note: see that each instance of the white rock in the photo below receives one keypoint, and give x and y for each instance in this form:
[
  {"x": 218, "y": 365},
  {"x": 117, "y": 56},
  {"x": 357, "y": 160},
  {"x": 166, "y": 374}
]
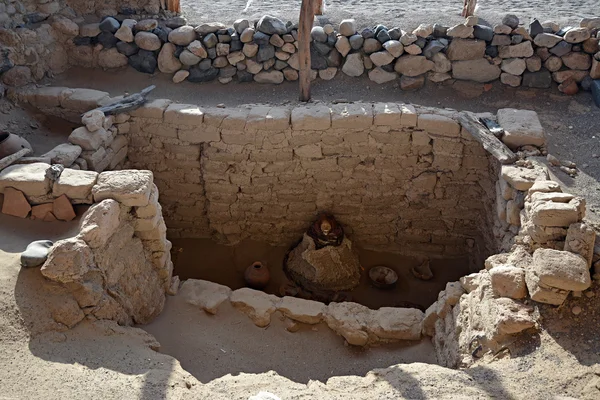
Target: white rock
[
  {"x": 394, "y": 47},
  {"x": 100, "y": 222},
  {"x": 93, "y": 120},
  {"x": 398, "y": 323},
  {"x": 306, "y": 311},
  {"x": 256, "y": 304},
  {"x": 423, "y": 30},
  {"x": 130, "y": 187},
  {"x": 204, "y": 294},
  {"x": 76, "y": 185},
  {"x": 64, "y": 154},
  {"x": 381, "y": 58},
  {"x": 514, "y": 66},
  {"x": 354, "y": 66},
  {"x": 521, "y": 128},
  {"x": 508, "y": 281},
  {"x": 379, "y": 75},
  {"x": 347, "y": 27},
  {"x": 28, "y": 178},
  {"x": 460, "y": 31},
  {"x": 349, "y": 320}
]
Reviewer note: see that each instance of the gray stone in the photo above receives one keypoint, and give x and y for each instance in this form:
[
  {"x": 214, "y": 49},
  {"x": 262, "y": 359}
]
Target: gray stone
[
  {"x": 547, "y": 40},
  {"x": 109, "y": 25},
  {"x": 577, "y": 35},
  {"x": 275, "y": 77},
  {"x": 354, "y": 65},
  {"x": 211, "y": 27},
  {"x": 182, "y": 36},
  {"x": 147, "y": 41},
  {"x": 356, "y": 41},
  {"x": 271, "y": 25},
  {"x": 464, "y": 49},
  {"x": 379, "y": 75},
  {"x": 483, "y": 32},
  {"x": 371, "y": 46},
  {"x": 36, "y": 253},
  {"x": 413, "y": 65},
  {"x": 318, "y": 34},
  {"x": 511, "y": 20},
  {"x": 475, "y": 70},
  {"x": 522, "y": 50},
  {"x": 210, "y": 40},
  {"x": 535, "y": 28},
  {"x": 561, "y": 49},
  {"x": 433, "y": 47},
  {"x": 240, "y": 25},
  {"x": 347, "y": 27}
]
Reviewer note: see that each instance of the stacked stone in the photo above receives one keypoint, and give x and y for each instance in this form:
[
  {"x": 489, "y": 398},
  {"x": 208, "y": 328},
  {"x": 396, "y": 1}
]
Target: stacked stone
[
  {"x": 168, "y": 139},
  {"x": 243, "y": 173},
  {"x": 266, "y": 51},
  {"x": 98, "y": 145},
  {"x": 29, "y": 190},
  {"x": 118, "y": 266},
  {"x": 357, "y": 324}
]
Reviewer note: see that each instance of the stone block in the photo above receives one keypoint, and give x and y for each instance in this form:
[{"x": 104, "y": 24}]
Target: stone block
[
  {"x": 552, "y": 214},
  {"x": 508, "y": 281},
  {"x": 64, "y": 154},
  {"x": 41, "y": 211},
  {"x": 100, "y": 222},
  {"x": 62, "y": 208},
  {"x": 560, "y": 269},
  {"x": 87, "y": 140},
  {"x": 255, "y": 304},
  {"x": 305, "y": 311},
  {"x": 387, "y": 114},
  {"x": 184, "y": 114},
  {"x": 521, "y": 128},
  {"x": 398, "y": 323},
  {"x": 68, "y": 261},
  {"x": 82, "y": 100},
  {"x": 439, "y": 125},
  {"x": 76, "y": 185},
  {"x": 28, "y": 178},
  {"x": 204, "y": 294},
  {"x": 199, "y": 135},
  {"x": 15, "y": 203},
  {"x": 154, "y": 109},
  {"x": 311, "y": 118},
  {"x": 580, "y": 240},
  {"x": 522, "y": 178},
  {"x": 47, "y": 97},
  {"x": 130, "y": 187},
  {"x": 351, "y": 116}
]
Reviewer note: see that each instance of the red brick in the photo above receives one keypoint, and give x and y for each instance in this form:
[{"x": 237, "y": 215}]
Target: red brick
[
  {"x": 15, "y": 203},
  {"x": 39, "y": 212},
  {"x": 62, "y": 208}
]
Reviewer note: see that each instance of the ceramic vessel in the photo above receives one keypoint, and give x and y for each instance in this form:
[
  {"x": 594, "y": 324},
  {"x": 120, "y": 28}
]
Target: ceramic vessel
[
  {"x": 257, "y": 276},
  {"x": 10, "y": 144}
]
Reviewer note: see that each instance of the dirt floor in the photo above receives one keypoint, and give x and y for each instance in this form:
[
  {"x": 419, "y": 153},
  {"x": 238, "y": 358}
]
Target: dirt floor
[
  {"x": 406, "y": 15},
  {"x": 204, "y": 259}
]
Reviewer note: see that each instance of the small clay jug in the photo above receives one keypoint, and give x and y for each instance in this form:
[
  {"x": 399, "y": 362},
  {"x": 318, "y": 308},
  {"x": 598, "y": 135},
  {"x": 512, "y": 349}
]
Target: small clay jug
[
  {"x": 10, "y": 144},
  {"x": 257, "y": 276}
]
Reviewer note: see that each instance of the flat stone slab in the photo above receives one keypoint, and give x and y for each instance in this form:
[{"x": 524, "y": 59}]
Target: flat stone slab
[
  {"x": 522, "y": 178},
  {"x": 76, "y": 185},
  {"x": 306, "y": 311},
  {"x": 28, "y": 178},
  {"x": 204, "y": 294},
  {"x": 129, "y": 187},
  {"x": 36, "y": 253},
  {"x": 560, "y": 269},
  {"x": 521, "y": 128},
  {"x": 255, "y": 304}
]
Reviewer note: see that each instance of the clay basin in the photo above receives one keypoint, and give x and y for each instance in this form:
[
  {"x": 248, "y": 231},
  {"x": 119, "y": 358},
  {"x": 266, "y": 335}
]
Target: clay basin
[{"x": 383, "y": 277}]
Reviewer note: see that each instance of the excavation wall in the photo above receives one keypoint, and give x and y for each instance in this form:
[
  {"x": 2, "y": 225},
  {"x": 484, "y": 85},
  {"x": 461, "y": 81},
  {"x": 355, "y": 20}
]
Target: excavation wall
[{"x": 399, "y": 178}]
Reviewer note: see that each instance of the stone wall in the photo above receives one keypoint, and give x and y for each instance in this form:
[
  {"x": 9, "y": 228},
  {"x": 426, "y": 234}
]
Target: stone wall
[
  {"x": 397, "y": 177},
  {"x": 266, "y": 51},
  {"x": 118, "y": 266}
]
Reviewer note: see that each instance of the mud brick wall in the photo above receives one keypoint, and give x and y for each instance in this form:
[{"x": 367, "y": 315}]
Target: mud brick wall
[{"x": 398, "y": 178}]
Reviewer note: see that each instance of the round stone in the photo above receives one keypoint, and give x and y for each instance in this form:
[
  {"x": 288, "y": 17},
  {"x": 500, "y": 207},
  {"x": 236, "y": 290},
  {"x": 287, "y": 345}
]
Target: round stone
[{"x": 36, "y": 253}]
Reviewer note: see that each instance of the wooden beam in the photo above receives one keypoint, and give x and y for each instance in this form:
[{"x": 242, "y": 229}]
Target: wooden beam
[
  {"x": 127, "y": 103},
  {"x": 490, "y": 143},
  {"x": 318, "y": 6},
  {"x": 307, "y": 15}
]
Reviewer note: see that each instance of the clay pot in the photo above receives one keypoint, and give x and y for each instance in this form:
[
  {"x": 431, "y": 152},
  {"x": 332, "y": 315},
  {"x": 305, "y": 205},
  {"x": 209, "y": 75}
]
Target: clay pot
[
  {"x": 257, "y": 276},
  {"x": 10, "y": 144}
]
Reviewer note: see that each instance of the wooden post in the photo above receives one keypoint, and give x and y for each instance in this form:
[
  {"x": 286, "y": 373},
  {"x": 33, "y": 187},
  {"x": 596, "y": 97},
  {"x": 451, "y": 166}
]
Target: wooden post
[
  {"x": 307, "y": 15},
  {"x": 174, "y": 5},
  {"x": 318, "y": 7}
]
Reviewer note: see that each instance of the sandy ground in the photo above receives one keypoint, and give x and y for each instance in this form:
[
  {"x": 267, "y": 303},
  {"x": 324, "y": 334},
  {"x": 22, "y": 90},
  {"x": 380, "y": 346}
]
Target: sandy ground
[
  {"x": 406, "y": 15},
  {"x": 572, "y": 123},
  {"x": 233, "y": 344}
]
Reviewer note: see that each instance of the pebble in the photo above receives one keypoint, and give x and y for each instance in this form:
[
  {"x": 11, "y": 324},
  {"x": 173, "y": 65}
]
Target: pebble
[
  {"x": 576, "y": 310},
  {"x": 36, "y": 253}
]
